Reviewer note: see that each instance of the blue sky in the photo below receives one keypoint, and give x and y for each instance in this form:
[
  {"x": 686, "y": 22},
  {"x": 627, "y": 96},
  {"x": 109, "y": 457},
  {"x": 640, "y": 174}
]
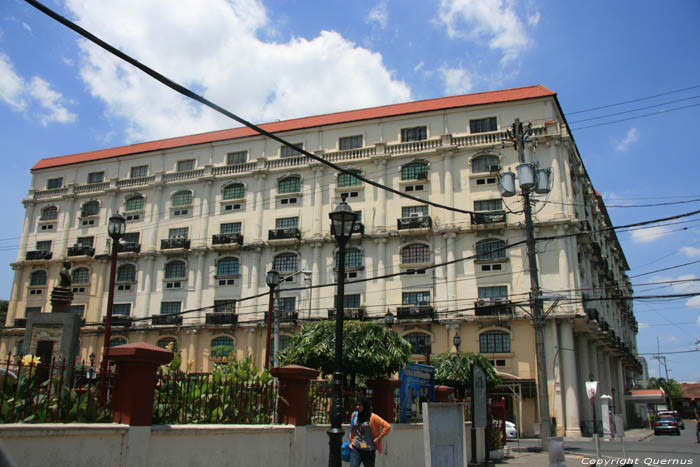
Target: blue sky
[{"x": 282, "y": 59}]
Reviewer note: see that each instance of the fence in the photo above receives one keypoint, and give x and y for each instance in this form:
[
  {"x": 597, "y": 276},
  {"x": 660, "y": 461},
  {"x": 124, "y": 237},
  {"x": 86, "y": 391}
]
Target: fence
[
  {"x": 321, "y": 400},
  {"x": 53, "y": 392}
]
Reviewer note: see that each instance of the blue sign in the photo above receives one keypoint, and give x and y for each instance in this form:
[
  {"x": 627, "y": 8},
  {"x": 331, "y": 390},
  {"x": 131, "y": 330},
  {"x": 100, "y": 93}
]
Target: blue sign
[{"x": 417, "y": 386}]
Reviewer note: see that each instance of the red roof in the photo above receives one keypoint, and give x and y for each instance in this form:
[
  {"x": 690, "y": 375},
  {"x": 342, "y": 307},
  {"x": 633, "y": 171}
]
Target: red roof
[
  {"x": 441, "y": 103},
  {"x": 690, "y": 390}
]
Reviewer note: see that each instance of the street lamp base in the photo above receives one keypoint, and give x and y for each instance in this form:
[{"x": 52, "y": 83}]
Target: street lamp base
[{"x": 335, "y": 440}]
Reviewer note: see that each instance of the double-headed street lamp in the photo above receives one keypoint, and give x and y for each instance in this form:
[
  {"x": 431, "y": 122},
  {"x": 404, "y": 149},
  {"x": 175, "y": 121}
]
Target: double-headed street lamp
[
  {"x": 115, "y": 228},
  {"x": 342, "y": 223},
  {"x": 272, "y": 279}
]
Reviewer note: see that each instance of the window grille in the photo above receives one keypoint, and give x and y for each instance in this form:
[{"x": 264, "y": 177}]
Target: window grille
[
  {"x": 164, "y": 342},
  {"x": 131, "y": 237},
  {"x": 287, "y": 223},
  {"x": 230, "y": 228},
  {"x": 406, "y": 211},
  {"x": 224, "y": 306},
  {"x": 417, "y": 133},
  {"x": 415, "y": 298},
  {"x": 81, "y": 276},
  {"x": 121, "y": 309},
  {"x": 77, "y": 309},
  {"x": 286, "y": 151},
  {"x": 420, "y": 343},
  {"x": 175, "y": 270},
  {"x": 350, "y": 301},
  {"x": 493, "y": 292},
  {"x": 49, "y": 213},
  {"x": 37, "y": 278},
  {"x": 490, "y": 249},
  {"x": 484, "y": 163},
  {"x": 117, "y": 341},
  {"x": 234, "y": 191},
  {"x": 184, "y": 166},
  {"x": 238, "y": 157},
  {"x": 139, "y": 171},
  {"x": 182, "y": 198},
  {"x": 181, "y": 232},
  {"x": 345, "y": 180},
  {"x": 135, "y": 203},
  {"x": 91, "y": 208},
  {"x": 482, "y": 125},
  {"x": 126, "y": 273},
  {"x": 414, "y": 171},
  {"x": 227, "y": 267},
  {"x": 286, "y": 262},
  {"x": 350, "y": 142},
  {"x": 86, "y": 241},
  {"x": 95, "y": 177},
  {"x": 488, "y": 205},
  {"x": 353, "y": 259},
  {"x": 416, "y": 253},
  {"x": 169, "y": 308},
  {"x": 494, "y": 342},
  {"x": 44, "y": 245},
  {"x": 289, "y": 185},
  {"x": 288, "y": 304},
  {"x": 53, "y": 183}
]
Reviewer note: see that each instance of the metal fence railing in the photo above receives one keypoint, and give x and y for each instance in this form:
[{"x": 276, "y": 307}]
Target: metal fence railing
[{"x": 321, "y": 399}]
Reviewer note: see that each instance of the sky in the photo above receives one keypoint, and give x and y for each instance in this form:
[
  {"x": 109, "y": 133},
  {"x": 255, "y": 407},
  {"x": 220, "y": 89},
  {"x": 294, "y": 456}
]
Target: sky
[{"x": 274, "y": 60}]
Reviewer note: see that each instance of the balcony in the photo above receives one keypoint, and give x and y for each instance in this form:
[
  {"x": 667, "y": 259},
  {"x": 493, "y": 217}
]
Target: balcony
[
  {"x": 493, "y": 307},
  {"x": 286, "y": 315},
  {"x": 488, "y": 217},
  {"x": 166, "y": 320},
  {"x": 172, "y": 243},
  {"x": 217, "y": 318},
  {"x": 414, "y": 222},
  {"x": 227, "y": 239},
  {"x": 81, "y": 250},
  {"x": 20, "y": 322},
  {"x": 415, "y": 312},
  {"x": 358, "y": 228},
  {"x": 38, "y": 255},
  {"x": 129, "y": 247},
  {"x": 117, "y": 320},
  {"x": 350, "y": 313},
  {"x": 284, "y": 234}
]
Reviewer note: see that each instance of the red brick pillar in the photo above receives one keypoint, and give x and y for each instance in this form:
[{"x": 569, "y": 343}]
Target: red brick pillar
[
  {"x": 383, "y": 397},
  {"x": 443, "y": 393},
  {"x": 294, "y": 389},
  {"x": 134, "y": 386}
]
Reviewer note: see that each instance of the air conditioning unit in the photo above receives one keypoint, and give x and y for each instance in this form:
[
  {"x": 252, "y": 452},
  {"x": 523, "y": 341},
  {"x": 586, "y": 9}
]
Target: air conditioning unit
[
  {"x": 500, "y": 300},
  {"x": 414, "y": 215},
  {"x": 483, "y": 302}
]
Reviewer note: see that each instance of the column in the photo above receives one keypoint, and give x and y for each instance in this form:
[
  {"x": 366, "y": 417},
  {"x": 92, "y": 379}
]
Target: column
[
  {"x": 608, "y": 375},
  {"x": 193, "y": 353},
  {"x": 199, "y": 282},
  {"x": 570, "y": 386},
  {"x": 259, "y": 206},
  {"x": 101, "y": 282},
  {"x": 316, "y": 279},
  {"x": 583, "y": 355},
  {"x": 451, "y": 269},
  {"x": 449, "y": 187},
  {"x": 66, "y": 225},
  {"x": 149, "y": 279},
  {"x": 595, "y": 371},
  {"x": 558, "y": 187},
  {"x": 15, "y": 295},
  {"x": 620, "y": 391},
  {"x": 564, "y": 282},
  {"x": 553, "y": 362},
  {"x": 567, "y": 190},
  {"x": 318, "y": 202},
  {"x": 26, "y": 228},
  {"x": 381, "y": 270},
  {"x": 380, "y": 223},
  {"x": 152, "y": 228},
  {"x": 204, "y": 218}
]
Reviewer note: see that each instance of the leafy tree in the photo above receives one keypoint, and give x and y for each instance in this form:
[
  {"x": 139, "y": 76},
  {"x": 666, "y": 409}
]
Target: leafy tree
[
  {"x": 369, "y": 350},
  {"x": 453, "y": 369},
  {"x": 673, "y": 390},
  {"x": 3, "y": 312}
]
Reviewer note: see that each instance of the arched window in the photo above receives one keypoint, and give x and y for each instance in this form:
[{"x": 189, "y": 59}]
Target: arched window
[
  {"x": 117, "y": 341},
  {"x": 221, "y": 346},
  {"x": 486, "y": 163},
  {"x": 494, "y": 342},
  {"x": 175, "y": 270},
  {"x": 134, "y": 203},
  {"x": 415, "y": 253},
  {"x": 289, "y": 185},
  {"x": 234, "y": 191},
  {"x": 166, "y": 341},
  {"x": 91, "y": 208},
  {"x": 81, "y": 276},
  {"x": 227, "y": 267},
  {"x": 490, "y": 249},
  {"x": 286, "y": 262},
  {"x": 37, "y": 278},
  {"x": 283, "y": 344},
  {"x": 345, "y": 180},
  {"x": 353, "y": 258},
  {"x": 126, "y": 273},
  {"x": 182, "y": 198},
  {"x": 49, "y": 213},
  {"x": 414, "y": 171},
  {"x": 420, "y": 343}
]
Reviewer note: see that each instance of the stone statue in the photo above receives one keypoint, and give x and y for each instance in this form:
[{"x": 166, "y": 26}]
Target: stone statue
[{"x": 65, "y": 275}]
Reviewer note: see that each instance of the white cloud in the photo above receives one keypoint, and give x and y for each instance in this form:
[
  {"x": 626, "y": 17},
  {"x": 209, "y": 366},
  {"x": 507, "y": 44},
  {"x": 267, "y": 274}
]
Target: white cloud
[
  {"x": 213, "y": 47},
  {"x": 457, "y": 80},
  {"x": 51, "y": 101},
  {"x": 379, "y": 15},
  {"x": 643, "y": 325},
  {"x": 493, "y": 20},
  {"x": 419, "y": 66},
  {"x": 631, "y": 137},
  {"x": 691, "y": 285},
  {"x": 11, "y": 84},
  {"x": 691, "y": 251},
  {"x": 26, "y": 27},
  {"x": 534, "y": 19},
  {"x": 649, "y": 235}
]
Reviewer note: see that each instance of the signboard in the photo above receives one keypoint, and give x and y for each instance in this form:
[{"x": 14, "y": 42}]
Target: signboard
[
  {"x": 591, "y": 390},
  {"x": 417, "y": 386},
  {"x": 479, "y": 403}
]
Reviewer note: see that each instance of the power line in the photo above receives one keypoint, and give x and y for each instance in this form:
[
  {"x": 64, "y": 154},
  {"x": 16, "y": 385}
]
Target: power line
[
  {"x": 635, "y": 110},
  {"x": 634, "y": 100},
  {"x": 630, "y": 118}
]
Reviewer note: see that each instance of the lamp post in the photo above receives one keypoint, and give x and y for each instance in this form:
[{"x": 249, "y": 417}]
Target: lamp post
[
  {"x": 115, "y": 228},
  {"x": 272, "y": 279},
  {"x": 342, "y": 222},
  {"x": 457, "y": 341},
  {"x": 532, "y": 180},
  {"x": 389, "y": 319}
]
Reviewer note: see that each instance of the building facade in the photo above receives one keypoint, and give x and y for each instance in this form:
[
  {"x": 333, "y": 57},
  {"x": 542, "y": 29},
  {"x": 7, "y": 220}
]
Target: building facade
[{"x": 208, "y": 215}]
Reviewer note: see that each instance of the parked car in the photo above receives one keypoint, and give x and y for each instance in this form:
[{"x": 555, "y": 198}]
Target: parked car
[
  {"x": 674, "y": 414},
  {"x": 667, "y": 424},
  {"x": 511, "y": 431}
]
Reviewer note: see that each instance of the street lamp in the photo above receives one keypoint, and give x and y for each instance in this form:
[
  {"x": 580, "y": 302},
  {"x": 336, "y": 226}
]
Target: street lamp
[
  {"x": 388, "y": 318},
  {"x": 115, "y": 228},
  {"x": 272, "y": 279},
  {"x": 342, "y": 222},
  {"x": 457, "y": 341}
]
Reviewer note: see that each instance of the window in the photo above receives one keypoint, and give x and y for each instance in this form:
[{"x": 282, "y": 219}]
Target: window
[
  {"x": 134, "y": 203},
  {"x": 91, "y": 208},
  {"x": 488, "y": 205},
  {"x": 238, "y": 157},
  {"x": 168, "y": 341},
  {"x": 44, "y": 245},
  {"x": 414, "y": 211},
  {"x": 181, "y": 232},
  {"x": 289, "y": 185},
  {"x": 350, "y": 142},
  {"x": 221, "y": 347},
  {"x": 345, "y": 180},
  {"x": 31, "y": 309},
  {"x": 286, "y": 151},
  {"x": 77, "y": 309},
  {"x": 481, "y": 125},
  {"x": 81, "y": 276},
  {"x": 283, "y": 344},
  {"x": 494, "y": 342},
  {"x": 353, "y": 259},
  {"x": 414, "y": 171},
  {"x": 415, "y": 298},
  {"x": 225, "y": 306},
  {"x": 230, "y": 228},
  {"x": 288, "y": 304},
  {"x": 95, "y": 177},
  {"x": 175, "y": 270},
  {"x": 169, "y": 308},
  {"x": 126, "y": 273},
  {"x": 234, "y": 191},
  {"x": 227, "y": 267},
  {"x": 139, "y": 171},
  {"x": 117, "y": 341},
  {"x": 37, "y": 278},
  {"x": 131, "y": 237},
  {"x": 490, "y": 249},
  {"x": 493, "y": 292},
  {"x": 420, "y": 343},
  {"x": 49, "y": 213},
  {"x": 286, "y": 262},
  {"x": 350, "y": 301},
  {"x": 287, "y": 223},
  {"x": 53, "y": 183},
  {"x": 184, "y": 166},
  {"x": 417, "y": 133},
  {"x": 86, "y": 241},
  {"x": 485, "y": 164},
  {"x": 182, "y": 198},
  {"x": 415, "y": 254},
  {"x": 121, "y": 309}
]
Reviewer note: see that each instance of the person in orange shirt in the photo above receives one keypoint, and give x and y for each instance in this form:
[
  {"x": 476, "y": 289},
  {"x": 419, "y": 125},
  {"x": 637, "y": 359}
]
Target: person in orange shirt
[{"x": 366, "y": 435}]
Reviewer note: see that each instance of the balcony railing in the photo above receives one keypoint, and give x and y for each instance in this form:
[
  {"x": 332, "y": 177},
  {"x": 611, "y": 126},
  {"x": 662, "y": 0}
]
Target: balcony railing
[
  {"x": 358, "y": 228},
  {"x": 221, "y": 318},
  {"x": 349, "y": 313},
  {"x": 81, "y": 250},
  {"x": 166, "y": 320},
  {"x": 38, "y": 254},
  {"x": 488, "y": 217},
  {"x": 281, "y": 234},
  {"x": 286, "y": 315},
  {"x": 414, "y": 312},
  {"x": 415, "y": 222},
  {"x": 225, "y": 239},
  {"x": 118, "y": 320},
  {"x": 493, "y": 307},
  {"x": 170, "y": 243},
  {"x": 129, "y": 247}
]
